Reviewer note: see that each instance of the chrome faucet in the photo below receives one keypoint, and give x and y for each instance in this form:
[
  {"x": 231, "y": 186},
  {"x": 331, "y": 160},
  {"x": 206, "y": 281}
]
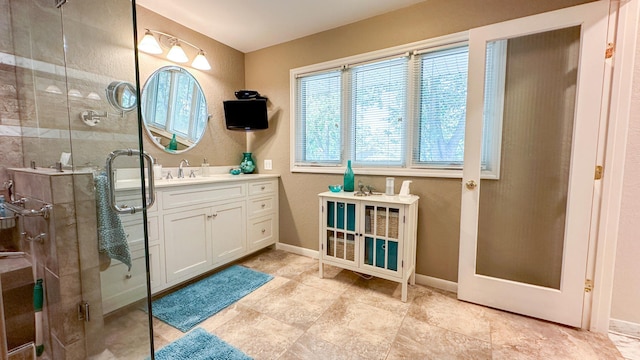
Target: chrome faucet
[{"x": 180, "y": 170}]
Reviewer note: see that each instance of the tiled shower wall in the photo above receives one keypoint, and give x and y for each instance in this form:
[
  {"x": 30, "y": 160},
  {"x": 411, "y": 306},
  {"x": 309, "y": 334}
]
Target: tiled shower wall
[
  {"x": 67, "y": 259},
  {"x": 38, "y": 119}
]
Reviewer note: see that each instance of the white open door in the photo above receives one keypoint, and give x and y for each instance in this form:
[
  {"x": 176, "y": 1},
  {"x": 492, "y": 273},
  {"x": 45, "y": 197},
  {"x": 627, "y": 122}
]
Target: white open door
[{"x": 525, "y": 229}]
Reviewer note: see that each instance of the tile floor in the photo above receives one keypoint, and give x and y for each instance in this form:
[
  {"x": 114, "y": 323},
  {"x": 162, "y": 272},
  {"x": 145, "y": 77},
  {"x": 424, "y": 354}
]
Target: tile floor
[
  {"x": 629, "y": 346},
  {"x": 300, "y": 316}
]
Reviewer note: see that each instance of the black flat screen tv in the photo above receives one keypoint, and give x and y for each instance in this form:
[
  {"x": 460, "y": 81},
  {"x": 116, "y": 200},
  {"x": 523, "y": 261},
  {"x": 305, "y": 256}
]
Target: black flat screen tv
[{"x": 246, "y": 114}]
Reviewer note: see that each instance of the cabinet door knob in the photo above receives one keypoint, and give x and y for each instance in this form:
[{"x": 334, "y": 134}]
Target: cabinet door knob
[
  {"x": 263, "y": 205},
  {"x": 211, "y": 216},
  {"x": 262, "y": 187},
  {"x": 263, "y": 230},
  {"x": 128, "y": 276}
]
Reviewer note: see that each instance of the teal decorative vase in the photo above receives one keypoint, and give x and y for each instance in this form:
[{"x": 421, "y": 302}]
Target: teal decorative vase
[
  {"x": 348, "y": 178},
  {"x": 248, "y": 165},
  {"x": 173, "y": 144}
]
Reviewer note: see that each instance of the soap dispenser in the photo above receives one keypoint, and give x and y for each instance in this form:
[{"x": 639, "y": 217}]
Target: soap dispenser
[
  {"x": 157, "y": 169},
  {"x": 205, "y": 168}
]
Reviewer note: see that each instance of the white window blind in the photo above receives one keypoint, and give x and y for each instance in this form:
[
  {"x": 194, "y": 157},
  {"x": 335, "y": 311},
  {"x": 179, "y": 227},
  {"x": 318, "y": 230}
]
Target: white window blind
[
  {"x": 394, "y": 114},
  {"x": 318, "y": 115},
  {"x": 378, "y": 107},
  {"x": 494, "y": 83},
  {"x": 440, "y": 107}
]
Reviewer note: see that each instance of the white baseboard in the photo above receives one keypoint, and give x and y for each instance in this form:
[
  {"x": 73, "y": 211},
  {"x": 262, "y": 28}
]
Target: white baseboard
[
  {"x": 437, "y": 283},
  {"x": 625, "y": 328},
  {"x": 420, "y": 279},
  {"x": 298, "y": 250}
]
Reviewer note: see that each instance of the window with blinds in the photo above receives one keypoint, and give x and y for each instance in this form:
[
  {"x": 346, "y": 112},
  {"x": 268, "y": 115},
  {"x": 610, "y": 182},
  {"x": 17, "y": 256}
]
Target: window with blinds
[
  {"x": 320, "y": 126},
  {"x": 440, "y": 107},
  {"x": 400, "y": 111},
  {"x": 378, "y": 113}
]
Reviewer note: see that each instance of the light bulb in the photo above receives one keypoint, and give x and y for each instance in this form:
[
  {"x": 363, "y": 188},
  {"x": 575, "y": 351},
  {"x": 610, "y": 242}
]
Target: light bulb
[
  {"x": 176, "y": 54},
  {"x": 200, "y": 62},
  {"x": 149, "y": 44}
]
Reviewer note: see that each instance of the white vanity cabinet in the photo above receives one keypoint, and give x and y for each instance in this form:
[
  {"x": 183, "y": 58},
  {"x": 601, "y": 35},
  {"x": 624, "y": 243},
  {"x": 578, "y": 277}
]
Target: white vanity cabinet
[
  {"x": 195, "y": 239},
  {"x": 374, "y": 235},
  {"x": 193, "y": 228},
  {"x": 262, "y": 227},
  {"x": 120, "y": 286},
  {"x": 190, "y": 251}
]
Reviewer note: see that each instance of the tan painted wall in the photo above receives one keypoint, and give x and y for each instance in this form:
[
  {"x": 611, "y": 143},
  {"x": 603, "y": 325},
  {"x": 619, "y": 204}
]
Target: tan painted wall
[
  {"x": 626, "y": 284},
  {"x": 219, "y": 146},
  {"x": 267, "y": 71}
]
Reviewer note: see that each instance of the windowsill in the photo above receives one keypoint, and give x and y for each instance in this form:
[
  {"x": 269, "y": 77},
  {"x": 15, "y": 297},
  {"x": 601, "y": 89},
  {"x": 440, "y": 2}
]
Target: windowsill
[{"x": 409, "y": 172}]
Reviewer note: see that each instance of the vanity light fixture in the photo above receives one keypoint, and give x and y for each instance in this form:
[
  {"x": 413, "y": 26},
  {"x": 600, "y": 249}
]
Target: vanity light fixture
[
  {"x": 200, "y": 62},
  {"x": 150, "y": 45},
  {"x": 75, "y": 93},
  {"x": 176, "y": 54},
  {"x": 53, "y": 89}
]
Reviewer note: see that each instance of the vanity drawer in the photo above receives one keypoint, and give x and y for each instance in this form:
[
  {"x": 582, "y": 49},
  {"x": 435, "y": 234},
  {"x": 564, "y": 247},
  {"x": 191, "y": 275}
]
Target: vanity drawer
[
  {"x": 261, "y": 206},
  {"x": 135, "y": 231},
  {"x": 263, "y": 187},
  {"x": 261, "y": 232},
  {"x": 121, "y": 287},
  {"x": 191, "y": 195}
]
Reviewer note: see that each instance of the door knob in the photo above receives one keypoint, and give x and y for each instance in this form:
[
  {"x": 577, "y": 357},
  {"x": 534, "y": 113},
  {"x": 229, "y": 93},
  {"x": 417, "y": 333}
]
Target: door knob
[{"x": 471, "y": 184}]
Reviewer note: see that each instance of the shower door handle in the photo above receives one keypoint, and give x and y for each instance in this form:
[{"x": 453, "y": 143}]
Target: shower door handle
[{"x": 112, "y": 186}]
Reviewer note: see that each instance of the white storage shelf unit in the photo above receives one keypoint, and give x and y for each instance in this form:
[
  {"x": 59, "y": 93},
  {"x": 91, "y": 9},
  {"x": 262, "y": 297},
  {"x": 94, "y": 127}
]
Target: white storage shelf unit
[
  {"x": 194, "y": 227},
  {"x": 374, "y": 235}
]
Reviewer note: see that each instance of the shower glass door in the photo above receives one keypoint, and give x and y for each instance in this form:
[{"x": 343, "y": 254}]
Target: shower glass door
[{"x": 96, "y": 282}]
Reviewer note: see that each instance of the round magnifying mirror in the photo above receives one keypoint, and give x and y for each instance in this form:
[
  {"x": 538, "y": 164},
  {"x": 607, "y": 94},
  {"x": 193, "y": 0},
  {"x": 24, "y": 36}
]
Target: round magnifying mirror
[
  {"x": 122, "y": 95},
  {"x": 174, "y": 109}
]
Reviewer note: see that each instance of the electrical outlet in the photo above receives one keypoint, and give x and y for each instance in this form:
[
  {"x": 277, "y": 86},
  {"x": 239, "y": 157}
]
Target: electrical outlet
[{"x": 268, "y": 165}]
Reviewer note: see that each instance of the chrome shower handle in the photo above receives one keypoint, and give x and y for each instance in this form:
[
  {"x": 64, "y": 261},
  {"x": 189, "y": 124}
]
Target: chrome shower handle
[{"x": 112, "y": 187}]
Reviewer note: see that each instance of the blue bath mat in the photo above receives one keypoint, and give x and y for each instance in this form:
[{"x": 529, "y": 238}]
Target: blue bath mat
[
  {"x": 189, "y": 306},
  {"x": 200, "y": 345}
]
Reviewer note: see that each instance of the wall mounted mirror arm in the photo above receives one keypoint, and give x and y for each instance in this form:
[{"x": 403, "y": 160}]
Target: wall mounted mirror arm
[{"x": 121, "y": 95}]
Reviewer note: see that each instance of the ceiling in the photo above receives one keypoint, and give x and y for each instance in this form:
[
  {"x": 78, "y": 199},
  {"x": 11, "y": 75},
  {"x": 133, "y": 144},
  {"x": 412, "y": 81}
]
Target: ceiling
[{"x": 249, "y": 25}]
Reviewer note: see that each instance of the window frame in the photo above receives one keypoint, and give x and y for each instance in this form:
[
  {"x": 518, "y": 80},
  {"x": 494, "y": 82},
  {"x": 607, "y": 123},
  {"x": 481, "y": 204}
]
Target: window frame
[{"x": 410, "y": 168}]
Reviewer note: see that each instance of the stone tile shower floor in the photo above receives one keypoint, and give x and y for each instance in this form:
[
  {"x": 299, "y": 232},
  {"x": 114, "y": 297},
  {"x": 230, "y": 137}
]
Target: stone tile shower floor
[{"x": 300, "y": 316}]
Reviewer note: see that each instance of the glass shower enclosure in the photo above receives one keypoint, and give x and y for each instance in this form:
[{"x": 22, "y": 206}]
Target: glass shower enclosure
[{"x": 69, "y": 81}]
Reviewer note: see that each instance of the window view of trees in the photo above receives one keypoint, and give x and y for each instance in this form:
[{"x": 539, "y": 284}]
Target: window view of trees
[
  {"x": 367, "y": 110},
  {"x": 442, "y": 112},
  {"x": 175, "y": 105},
  {"x": 320, "y": 112},
  {"x": 378, "y": 102}
]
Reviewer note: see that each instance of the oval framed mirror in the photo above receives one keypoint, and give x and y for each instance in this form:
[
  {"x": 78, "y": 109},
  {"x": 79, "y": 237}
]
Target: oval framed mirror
[
  {"x": 174, "y": 107},
  {"x": 122, "y": 96}
]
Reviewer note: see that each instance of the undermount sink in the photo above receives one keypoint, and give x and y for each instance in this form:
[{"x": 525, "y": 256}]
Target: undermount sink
[{"x": 129, "y": 178}]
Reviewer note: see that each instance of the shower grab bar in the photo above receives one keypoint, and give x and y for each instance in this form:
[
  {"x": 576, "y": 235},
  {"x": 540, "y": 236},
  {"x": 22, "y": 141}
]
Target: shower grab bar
[{"x": 112, "y": 186}]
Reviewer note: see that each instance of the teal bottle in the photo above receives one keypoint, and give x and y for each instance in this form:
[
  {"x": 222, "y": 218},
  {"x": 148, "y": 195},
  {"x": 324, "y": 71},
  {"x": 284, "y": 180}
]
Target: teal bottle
[
  {"x": 38, "y": 297},
  {"x": 173, "y": 144},
  {"x": 348, "y": 178}
]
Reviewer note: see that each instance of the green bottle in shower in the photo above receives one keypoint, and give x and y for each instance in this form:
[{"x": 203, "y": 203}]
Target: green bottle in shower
[{"x": 38, "y": 299}]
